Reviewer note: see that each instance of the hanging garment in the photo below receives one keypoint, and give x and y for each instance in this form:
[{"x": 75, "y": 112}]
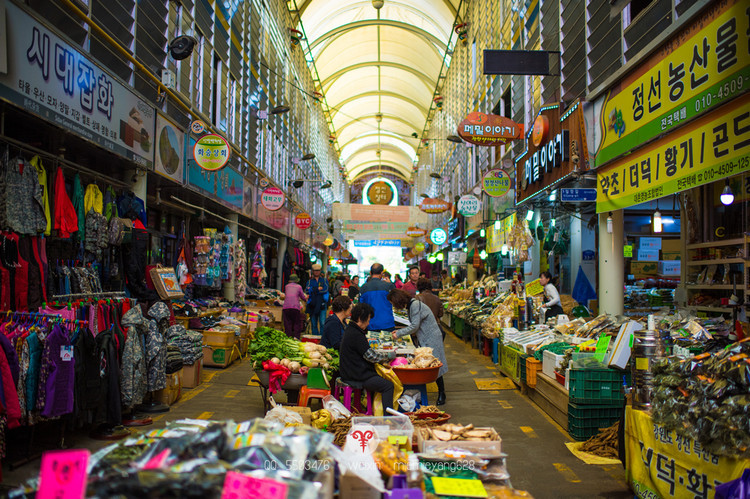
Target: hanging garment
[
  {"x": 109, "y": 408},
  {"x": 21, "y": 277},
  {"x": 88, "y": 383},
  {"x": 78, "y": 205},
  {"x": 61, "y": 378},
  {"x": 66, "y": 219},
  {"x": 93, "y": 199},
  {"x": 11, "y": 356},
  {"x": 156, "y": 346},
  {"x": 10, "y": 395},
  {"x": 110, "y": 203},
  {"x": 132, "y": 207},
  {"x": 134, "y": 379},
  {"x": 134, "y": 255},
  {"x": 35, "y": 291},
  {"x": 32, "y": 375},
  {"x": 36, "y": 161},
  {"x": 24, "y": 208}
]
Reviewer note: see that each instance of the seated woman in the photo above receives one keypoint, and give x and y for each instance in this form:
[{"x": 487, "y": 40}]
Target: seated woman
[
  {"x": 357, "y": 360},
  {"x": 333, "y": 329},
  {"x": 425, "y": 326}
]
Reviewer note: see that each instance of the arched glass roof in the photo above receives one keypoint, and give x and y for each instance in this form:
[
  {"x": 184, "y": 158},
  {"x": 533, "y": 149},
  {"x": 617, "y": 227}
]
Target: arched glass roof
[{"x": 378, "y": 71}]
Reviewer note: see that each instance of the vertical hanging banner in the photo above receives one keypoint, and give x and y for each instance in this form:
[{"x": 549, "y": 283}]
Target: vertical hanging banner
[{"x": 57, "y": 82}]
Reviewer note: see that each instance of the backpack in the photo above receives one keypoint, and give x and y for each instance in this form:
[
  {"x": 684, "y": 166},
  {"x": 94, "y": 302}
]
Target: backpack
[{"x": 120, "y": 231}]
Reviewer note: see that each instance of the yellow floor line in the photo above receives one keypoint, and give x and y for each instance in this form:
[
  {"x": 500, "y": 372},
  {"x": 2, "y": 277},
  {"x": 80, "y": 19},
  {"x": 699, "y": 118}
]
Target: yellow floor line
[
  {"x": 615, "y": 472},
  {"x": 205, "y": 415},
  {"x": 567, "y": 473},
  {"x": 231, "y": 394},
  {"x": 495, "y": 392},
  {"x": 209, "y": 375},
  {"x": 548, "y": 418},
  {"x": 529, "y": 431},
  {"x": 472, "y": 372},
  {"x": 505, "y": 404},
  {"x": 157, "y": 418}
]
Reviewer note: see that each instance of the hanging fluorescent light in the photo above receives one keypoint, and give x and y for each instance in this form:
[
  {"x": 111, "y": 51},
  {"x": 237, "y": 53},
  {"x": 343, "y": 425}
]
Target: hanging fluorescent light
[
  {"x": 504, "y": 249},
  {"x": 553, "y": 196},
  {"x": 552, "y": 223},
  {"x": 482, "y": 233},
  {"x": 610, "y": 227},
  {"x": 530, "y": 215},
  {"x": 483, "y": 255},
  {"x": 657, "y": 221},
  {"x": 497, "y": 224},
  {"x": 440, "y": 257},
  {"x": 727, "y": 196}
]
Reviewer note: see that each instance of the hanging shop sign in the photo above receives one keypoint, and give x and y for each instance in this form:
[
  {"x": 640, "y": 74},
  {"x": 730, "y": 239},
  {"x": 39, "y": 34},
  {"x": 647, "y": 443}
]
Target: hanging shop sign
[
  {"x": 456, "y": 228},
  {"x": 170, "y": 149},
  {"x": 701, "y": 67},
  {"x": 496, "y": 183},
  {"x": 710, "y": 148},
  {"x": 272, "y": 198},
  {"x": 225, "y": 186},
  {"x": 488, "y": 129},
  {"x": 555, "y": 147},
  {"x": 415, "y": 232},
  {"x": 197, "y": 127},
  {"x": 660, "y": 463},
  {"x": 211, "y": 152},
  {"x": 391, "y": 243},
  {"x": 456, "y": 258},
  {"x": 469, "y": 205},
  {"x": 497, "y": 233},
  {"x": 380, "y": 193},
  {"x": 434, "y": 205},
  {"x": 577, "y": 195},
  {"x": 438, "y": 236},
  {"x": 57, "y": 82},
  {"x": 303, "y": 221}
]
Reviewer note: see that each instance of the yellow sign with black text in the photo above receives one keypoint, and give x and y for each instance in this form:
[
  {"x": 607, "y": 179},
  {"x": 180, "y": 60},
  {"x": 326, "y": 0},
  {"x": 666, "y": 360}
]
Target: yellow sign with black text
[
  {"x": 660, "y": 463},
  {"x": 711, "y": 148},
  {"x": 497, "y": 237},
  {"x": 698, "y": 69}
]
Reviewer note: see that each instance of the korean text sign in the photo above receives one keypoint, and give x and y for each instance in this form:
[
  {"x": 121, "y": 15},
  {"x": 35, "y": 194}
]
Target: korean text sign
[
  {"x": 705, "y": 65},
  {"x": 55, "y": 81},
  {"x": 660, "y": 463},
  {"x": 711, "y": 148}
]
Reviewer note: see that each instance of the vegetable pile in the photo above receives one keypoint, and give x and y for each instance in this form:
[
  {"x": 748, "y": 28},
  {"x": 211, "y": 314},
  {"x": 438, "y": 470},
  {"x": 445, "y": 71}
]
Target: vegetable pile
[
  {"x": 604, "y": 444},
  {"x": 275, "y": 346}
]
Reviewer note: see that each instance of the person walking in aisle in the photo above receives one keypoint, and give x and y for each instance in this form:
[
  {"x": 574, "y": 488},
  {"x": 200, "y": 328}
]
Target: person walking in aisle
[
  {"x": 427, "y": 297},
  {"x": 445, "y": 278},
  {"x": 291, "y": 312},
  {"x": 551, "y": 297},
  {"x": 410, "y": 286},
  {"x": 317, "y": 301},
  {"x": 398, "y": 282},
  {"x": 333, "y": 329},
  {"x": 375, "y": 293},
  {"x": 354, "y": 288},
  {"x": 428, "y": 332}
]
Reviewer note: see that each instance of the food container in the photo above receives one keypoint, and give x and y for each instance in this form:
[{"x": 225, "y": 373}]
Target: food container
[
  {"x": 388, "y": 426},
  {"x": 409, "y": 376}
]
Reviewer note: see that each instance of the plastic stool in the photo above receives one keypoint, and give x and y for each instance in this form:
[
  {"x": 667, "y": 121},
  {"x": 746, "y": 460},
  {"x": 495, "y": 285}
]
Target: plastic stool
[
  {"x": 422, "y": 390},
  {"x": 353, "y": 388},
  {"x": 316, "y": 388}
]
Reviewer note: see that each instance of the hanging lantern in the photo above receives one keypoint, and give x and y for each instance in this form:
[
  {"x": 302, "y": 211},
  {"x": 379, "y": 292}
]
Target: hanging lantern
[
  {"x": 419, "y": 247},
  {"x": 328, "y": 241}
]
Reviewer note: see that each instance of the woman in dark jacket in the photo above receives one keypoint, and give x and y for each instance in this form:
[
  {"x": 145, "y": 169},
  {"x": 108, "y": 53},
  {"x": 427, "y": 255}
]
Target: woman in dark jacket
[
  {"x": 333, "y": 329},
  {"x": 426, "y": 296},
  {"x": 357, "y": 360}
]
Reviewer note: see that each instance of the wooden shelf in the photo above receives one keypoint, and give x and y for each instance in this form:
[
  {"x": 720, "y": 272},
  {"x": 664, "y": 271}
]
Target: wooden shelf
[
  {"x": 721, "y": 310},
  {"x": 716, "y": 262},
  {"x": 728, "y": 242},
  {"x": 714, "y": 286}
]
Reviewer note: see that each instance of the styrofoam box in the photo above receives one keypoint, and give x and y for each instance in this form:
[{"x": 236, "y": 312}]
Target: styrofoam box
[
  {"x": 549, "y": 362},
  {"x": 648, "y": 255},
  {"x": 669, "y": 267}
]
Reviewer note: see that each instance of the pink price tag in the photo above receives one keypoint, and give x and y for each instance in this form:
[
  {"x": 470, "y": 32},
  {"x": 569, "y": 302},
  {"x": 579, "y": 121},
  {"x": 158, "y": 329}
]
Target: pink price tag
[
  {"x": 63, "y": 474},
  {"x": 239, "y": 486}
]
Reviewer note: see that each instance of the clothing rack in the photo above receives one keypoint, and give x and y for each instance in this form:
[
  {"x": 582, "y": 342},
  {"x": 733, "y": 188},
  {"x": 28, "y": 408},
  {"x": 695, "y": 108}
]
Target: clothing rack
[
  {"x": 105, "y": 294},
  {"x": 56, "y": 317}
]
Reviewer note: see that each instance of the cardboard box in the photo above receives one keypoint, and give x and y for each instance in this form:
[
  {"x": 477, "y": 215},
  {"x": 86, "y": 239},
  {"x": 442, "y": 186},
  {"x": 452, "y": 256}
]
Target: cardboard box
[
  {"x": 620, "y": 354},
  {"x": 191, "y": 374},
  {"x": 669, "y": 268},
  {"x": 643, "y": 268},
  {"x": 671, "y": 255},
  {"x": 305, "y": 412},
  {"x": 219, "y": 356},
  {"x": 650, "y": 243},
  {"x": 670, "y": 245},
  {"x": 172, "y": 392},
  {"x": 485, "y": 447},
  {"x": 351, "y": 485},
  {"x": 648, "y": 255}
]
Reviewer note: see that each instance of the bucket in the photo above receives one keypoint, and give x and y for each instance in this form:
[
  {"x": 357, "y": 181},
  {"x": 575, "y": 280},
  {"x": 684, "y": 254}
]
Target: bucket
[{"x": 648, "y": 346}]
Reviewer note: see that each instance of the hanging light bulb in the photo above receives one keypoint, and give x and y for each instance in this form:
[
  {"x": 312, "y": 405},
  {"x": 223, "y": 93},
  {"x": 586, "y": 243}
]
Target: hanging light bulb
[
  {"x": 483, "y": 255},
  {"x": 497, "y": 224},
  {"x": 440, "y": 257},
  {"x": 313, "y": 258},
  {"x": 552, "y": 223},
  {"x": 553, "y": 196},
  {"x": 727, "y": 196},
  {"x": 530, "y": 215},
  {"x": 432, "y": 259},
  {"x": 504, "y": 249},
  {"x": 482, "y": 233},
  {"x": 657, "y": 221},
  {"x": 610, "y": 227},
  {"x": 466, "y": 250}
]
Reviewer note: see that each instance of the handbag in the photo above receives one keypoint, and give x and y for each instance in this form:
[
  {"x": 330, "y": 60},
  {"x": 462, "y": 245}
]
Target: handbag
[{"x": 166, "y": 283}]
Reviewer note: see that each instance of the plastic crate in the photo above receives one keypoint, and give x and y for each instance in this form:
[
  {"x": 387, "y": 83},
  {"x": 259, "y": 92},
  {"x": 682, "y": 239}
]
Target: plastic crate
[
  {"x": 585, "y": 421},
  {"x": 522, "y": 367},
  {"x": 595, "y": 386},
  {"x": 533, "y": 367},
  {"x": 510, "y": 363}
]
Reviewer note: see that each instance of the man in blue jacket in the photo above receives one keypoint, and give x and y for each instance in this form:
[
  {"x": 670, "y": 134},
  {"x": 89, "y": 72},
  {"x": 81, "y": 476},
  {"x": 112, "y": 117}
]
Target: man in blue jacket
[
  {"x": 317, "y": 302},
  {"x": 375, "y": 293}
]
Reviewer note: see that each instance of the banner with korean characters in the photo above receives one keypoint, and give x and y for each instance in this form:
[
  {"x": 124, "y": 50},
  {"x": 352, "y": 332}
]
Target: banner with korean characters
[
  {"x": 698, "y": 69},
  {"x": 497, "y": 233},
  {"x": 55, "y": 81},
  {"x": 660, "y": 463},
  {"x": 170, "y": 149},
  {"x": 708, "y": 149}
]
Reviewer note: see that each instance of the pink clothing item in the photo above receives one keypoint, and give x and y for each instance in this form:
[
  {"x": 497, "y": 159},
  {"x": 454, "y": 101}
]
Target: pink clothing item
[
  {"x": 410, "y": 288},
  {"x": 62, "y": 312},
  {"x": 12, "y": 404},
  {"x": 399, "y": 284},
  {"x": 294, "y": 294}
]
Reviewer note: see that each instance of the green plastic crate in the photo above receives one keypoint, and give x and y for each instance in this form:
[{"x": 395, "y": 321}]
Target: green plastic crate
[
  {"x": 522, "y": 360},
  {"x": 585, "y": 421},
  {"x": 458, "y": 326},
  {"x": 595, "y": 386}
]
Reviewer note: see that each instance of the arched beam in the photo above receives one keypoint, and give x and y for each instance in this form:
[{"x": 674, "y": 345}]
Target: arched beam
[
  {"x": 303, "y": 4},
  {"x": 385, "y": 116},
  {"x": 375, "y": 93},
  {"x": 355, "y": 170},
  {"x": 375, "y": 134},
  {"x": 374, "y": 146},
  {"x": 432, "y": 40},
  {"x": 367, "y": 171},
  {"x": 426, "y": 79}
]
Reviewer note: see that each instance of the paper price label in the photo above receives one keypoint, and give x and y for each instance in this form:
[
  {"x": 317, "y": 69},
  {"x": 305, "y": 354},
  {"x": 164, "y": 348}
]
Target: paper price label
[
  {"x": 66, "y": 353},
  {"x": 63, "y": 474},
  {"x": 458, "y": 487}
]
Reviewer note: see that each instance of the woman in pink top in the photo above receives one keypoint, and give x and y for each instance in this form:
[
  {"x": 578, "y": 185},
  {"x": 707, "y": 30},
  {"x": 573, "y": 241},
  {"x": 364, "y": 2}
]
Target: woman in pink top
[{"x": 291, "y": 312}]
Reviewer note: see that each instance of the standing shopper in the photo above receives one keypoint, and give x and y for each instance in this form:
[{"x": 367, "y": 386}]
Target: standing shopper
[
  {"x": 551, "y": 297},
  {"x": 375, "y": 293},
  {"x": 317, "y": 301},
  {"x": 291, "y": 312},
  {"x": 333, "y": 329},
  {"x": 398, "y": 282},
  {"x": 410, "y": 286},
  {"x": 427, "y": 297},
  {"x": 428, "y": 332},
  {"x": 354, "y": 288}
]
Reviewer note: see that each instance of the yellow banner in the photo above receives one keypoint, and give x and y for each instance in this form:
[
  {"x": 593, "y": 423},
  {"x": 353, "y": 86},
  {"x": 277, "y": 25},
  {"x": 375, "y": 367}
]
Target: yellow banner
[
  {"x": 659, "y": 463},
  {"x": 534, "y": 288},
  {"x": 705, "y": 65},
  {"x": 497, "y": 237},
  {"x": 709, "y": 149}
]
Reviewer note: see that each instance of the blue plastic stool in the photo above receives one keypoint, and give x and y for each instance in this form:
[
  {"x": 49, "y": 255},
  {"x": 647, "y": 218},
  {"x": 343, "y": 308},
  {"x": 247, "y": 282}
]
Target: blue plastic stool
[{"x": 422, "y": 390}]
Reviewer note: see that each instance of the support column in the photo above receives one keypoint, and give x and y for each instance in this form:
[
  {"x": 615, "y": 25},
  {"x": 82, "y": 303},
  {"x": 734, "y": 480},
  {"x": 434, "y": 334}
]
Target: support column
[
  {"x": 283, "y": 245},
  {"x": 228, "y": 286},
  {"x": 611, "y": 264}
]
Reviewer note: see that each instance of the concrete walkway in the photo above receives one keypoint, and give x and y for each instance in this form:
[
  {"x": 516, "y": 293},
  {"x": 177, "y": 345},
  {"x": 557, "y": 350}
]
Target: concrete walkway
[{"x": 538, "y": 460}]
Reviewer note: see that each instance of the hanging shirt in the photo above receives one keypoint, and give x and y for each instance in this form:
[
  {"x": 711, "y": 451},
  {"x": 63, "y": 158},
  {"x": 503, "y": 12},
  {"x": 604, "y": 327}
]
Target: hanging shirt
[
  {"x": 78, "y": 205},
  {"x": 61, "y": 377},
  {"x": 65, "y": 219},
  {"x": 36, "y": 161},
  {"x": 24, "y": 208},
  {"x": 93, "y": 199}
]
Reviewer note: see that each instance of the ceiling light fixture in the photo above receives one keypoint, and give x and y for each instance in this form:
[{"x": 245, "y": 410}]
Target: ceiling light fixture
[
  {"x": 308, "y": 156},
  {"x": 440, "y": 257},
  {"x": 436, "y": 175},
  {"x": 610, "y": 224},
  {"x": 727, "y": 196},
  {"x": 280, "y": 109},
  {"x": 454, "y": 138},
  {"x": 657, "y": 220},
  {"x": 298, "y": 183},
  {"x": 378, "y": 4},
  {"x": 530, "y": 215},
  {"x": 327, "y": 185},
  {"x": 424, "y": 195}
]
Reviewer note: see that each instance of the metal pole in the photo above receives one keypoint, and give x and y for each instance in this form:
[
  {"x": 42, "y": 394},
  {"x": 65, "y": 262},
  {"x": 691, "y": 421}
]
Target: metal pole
[{"x": 611, "y": 264}]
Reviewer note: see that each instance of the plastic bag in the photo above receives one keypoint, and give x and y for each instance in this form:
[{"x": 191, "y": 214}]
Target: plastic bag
[
  {"x": 336, "y": 408},
  {"x": 283, "y": 415},
  {"x": 408, "y": 401}
]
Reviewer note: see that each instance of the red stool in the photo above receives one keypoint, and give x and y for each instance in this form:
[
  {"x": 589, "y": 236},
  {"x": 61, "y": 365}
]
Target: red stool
[
  {"x": 352, "y": 388},
  {"x": 316, "y": 388}
]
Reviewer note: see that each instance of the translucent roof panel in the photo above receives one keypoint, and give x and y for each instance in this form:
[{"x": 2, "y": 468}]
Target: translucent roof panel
[{"x": 378, "y": 70}]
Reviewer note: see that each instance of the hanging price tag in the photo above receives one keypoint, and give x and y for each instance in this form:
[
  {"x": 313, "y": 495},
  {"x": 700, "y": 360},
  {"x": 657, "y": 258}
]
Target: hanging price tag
[
  {"x": 239, "y": 486},
  {"x": 601, "y": 347},
  {"x": 63, "y": 474}
]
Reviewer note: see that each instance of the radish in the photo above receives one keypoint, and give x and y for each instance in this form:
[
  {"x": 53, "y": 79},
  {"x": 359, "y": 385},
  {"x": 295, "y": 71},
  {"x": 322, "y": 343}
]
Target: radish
[{"x": 275, "y": 360}]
